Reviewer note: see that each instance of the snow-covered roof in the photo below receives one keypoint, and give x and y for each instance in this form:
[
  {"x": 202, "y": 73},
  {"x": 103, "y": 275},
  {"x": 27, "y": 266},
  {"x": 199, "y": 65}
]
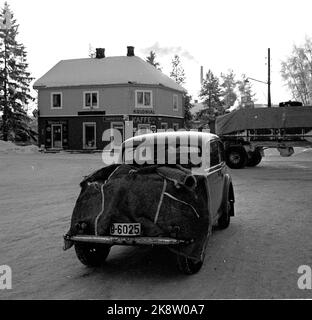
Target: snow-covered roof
[{"x": 105, "y": 71}]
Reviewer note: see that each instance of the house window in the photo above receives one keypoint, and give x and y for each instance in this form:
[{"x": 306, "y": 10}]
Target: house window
[
  {"x": 143, "y": 99},
  {"x": 175, "y": 126},
  {"x": 144, "y": 128},
  {"x": 91, "y": 99},
  {"x": 175, "y": 102},
  {"x": 164, "y": 126},
  {"x": 56, "y": 100}
]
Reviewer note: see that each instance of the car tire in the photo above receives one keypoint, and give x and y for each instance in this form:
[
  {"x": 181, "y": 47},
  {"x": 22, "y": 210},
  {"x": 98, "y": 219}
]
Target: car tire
[
  {"x": 225, "y": 218},
  {"x": 188, "y": 266},
  {"x": 236, "y": 157},
  {"x": 92, "y": 255},
  {"x": 254, "y": 159}
]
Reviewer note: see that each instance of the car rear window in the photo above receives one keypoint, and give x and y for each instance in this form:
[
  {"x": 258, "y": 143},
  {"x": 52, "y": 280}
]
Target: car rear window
[{"x": 151, "y": 153}]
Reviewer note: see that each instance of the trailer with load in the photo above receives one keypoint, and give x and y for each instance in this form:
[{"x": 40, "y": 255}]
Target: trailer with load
[{"x": 246, "y": 133}]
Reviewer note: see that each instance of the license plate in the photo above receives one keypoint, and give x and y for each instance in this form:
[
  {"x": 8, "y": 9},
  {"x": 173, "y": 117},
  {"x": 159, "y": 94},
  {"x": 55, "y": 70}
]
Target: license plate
[{"x": 125, "y": 229}]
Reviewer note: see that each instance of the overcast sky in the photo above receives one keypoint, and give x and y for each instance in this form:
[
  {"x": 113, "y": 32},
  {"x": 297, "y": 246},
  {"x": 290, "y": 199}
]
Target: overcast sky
[{"x": 219, "y": 34}]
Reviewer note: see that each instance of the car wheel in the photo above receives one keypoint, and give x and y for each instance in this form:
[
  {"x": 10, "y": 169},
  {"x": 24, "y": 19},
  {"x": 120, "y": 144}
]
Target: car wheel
[
  {"x": 92, "y": 255},
  {"x": 255, "y": 159},
  {"x": 187, "y": 265},
  {"x": 225, "y": 218},
  {"x": 236, "y": 157}
]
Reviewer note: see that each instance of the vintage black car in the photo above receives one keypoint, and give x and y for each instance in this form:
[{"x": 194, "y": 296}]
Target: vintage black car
[{"x": 167, "y": 189}]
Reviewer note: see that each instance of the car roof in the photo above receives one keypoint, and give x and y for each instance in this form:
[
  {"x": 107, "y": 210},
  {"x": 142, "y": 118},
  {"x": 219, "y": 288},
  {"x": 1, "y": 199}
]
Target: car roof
[{"x": 178, "y": 134}]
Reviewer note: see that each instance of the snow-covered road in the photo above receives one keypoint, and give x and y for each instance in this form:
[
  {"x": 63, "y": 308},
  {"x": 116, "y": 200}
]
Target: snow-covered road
[{"x": 256, "y": 257}]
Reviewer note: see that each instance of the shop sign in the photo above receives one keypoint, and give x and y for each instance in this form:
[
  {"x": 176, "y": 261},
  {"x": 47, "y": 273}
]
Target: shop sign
[
  {"x": 140, "y": 119},
  {"x": 143, "y": 111}
]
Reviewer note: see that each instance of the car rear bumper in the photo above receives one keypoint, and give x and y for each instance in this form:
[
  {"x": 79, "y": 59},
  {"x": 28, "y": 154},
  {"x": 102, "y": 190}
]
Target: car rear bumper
[{"x": 115, "y": 240}]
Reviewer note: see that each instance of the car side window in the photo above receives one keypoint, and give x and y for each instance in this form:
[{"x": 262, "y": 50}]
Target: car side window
[
  {"x": 221, "y": 151},
  {"x": 214, "y": 154}
]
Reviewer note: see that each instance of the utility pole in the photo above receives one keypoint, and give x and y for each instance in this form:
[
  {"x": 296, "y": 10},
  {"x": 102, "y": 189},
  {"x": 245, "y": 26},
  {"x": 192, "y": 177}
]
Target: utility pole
[{"x": 269, "y": 79}]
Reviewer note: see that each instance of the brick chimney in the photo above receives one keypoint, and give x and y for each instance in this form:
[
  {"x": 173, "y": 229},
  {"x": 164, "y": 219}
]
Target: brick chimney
[
  {"x": 130, "y": 51},
  {"x": 100, "y": 53}
]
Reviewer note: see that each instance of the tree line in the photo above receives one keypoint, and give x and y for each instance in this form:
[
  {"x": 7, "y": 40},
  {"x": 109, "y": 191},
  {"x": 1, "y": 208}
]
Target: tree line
[
  {"x": 296, "y": 71},
  {"x": 217, "y": 93}
]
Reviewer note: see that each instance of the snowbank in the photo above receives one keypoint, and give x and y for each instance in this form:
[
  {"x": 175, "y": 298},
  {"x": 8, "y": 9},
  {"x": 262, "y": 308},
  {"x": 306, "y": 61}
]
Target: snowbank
[{"x": 10, "y": 147}]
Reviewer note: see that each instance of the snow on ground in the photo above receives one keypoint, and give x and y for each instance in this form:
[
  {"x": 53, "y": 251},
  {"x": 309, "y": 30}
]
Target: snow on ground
[
  {"x": 10, "y": 147},
  {"x": 275, "y": 152},
  {"x": 256, "y": 257}
]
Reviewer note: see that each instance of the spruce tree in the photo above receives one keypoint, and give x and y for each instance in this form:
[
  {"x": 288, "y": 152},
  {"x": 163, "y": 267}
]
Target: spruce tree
[
  {"x": 228, "y": 85},
  {"x": 246, "y": 93},
  {"x": 152, "y": 60},
  {"x": 211, "y": 94},
  {"x": 188, "y": 105},
  {"x": 14, "y": 81}
]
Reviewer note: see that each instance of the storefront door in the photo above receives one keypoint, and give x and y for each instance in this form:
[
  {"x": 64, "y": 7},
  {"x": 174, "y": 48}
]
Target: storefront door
[
  {"x": 119, "y": 126},
  {"x": 56, "y": 136},
  {"x": 89, "y": 135}
]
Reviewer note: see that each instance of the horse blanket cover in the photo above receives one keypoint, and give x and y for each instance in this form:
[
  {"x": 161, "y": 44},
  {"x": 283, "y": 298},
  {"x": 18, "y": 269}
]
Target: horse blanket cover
[{"x": 167, "y": 200}]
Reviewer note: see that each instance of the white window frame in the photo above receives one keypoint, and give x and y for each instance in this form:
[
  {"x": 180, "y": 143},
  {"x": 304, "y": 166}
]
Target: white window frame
[
  {"x": 175, "y": 96},
  {"x": 84, "y": 146},
  {"x": 142, "y": 105},
  {"x": 84, "y": 99},
  {"x": 51, "y": 100}
]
